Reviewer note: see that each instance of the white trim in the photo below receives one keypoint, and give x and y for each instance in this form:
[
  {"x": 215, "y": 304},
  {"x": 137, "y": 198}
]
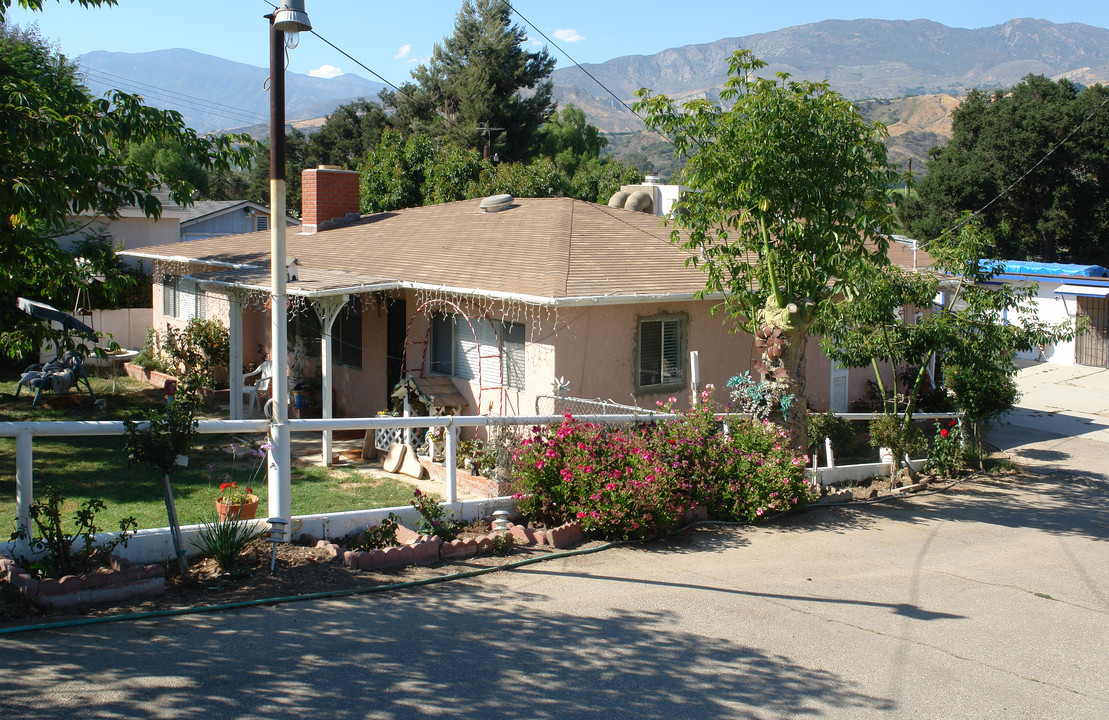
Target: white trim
[{"x": 1083, "y": 290}]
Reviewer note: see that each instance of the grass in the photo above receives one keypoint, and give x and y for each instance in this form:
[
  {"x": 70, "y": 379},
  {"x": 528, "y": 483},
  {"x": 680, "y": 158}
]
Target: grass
[{"x": 88, "y": 467}]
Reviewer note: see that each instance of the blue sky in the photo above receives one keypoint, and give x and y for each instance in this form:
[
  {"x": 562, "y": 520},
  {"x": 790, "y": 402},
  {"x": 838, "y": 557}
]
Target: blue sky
[{"x": 391, "y": 37}]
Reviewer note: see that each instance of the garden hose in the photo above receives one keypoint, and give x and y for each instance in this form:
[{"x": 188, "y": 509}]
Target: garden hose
[{"x": 77, "y": 622}]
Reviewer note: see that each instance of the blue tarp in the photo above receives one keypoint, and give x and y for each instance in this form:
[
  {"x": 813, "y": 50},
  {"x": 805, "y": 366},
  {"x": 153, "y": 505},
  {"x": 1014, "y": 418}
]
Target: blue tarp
[{"x": 1028, "y": 267}]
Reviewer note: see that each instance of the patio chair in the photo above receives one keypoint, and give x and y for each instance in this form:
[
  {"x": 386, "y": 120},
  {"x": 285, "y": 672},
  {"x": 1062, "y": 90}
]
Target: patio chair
[
  {"x": 56, "y": 376},
  {"x": 261, "y": 386}
]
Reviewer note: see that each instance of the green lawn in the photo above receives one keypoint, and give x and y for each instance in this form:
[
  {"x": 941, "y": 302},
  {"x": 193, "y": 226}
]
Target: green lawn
[{"x": 96, "y": 467}]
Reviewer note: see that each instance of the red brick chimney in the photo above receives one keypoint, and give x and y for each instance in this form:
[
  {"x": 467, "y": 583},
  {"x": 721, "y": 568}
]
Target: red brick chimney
[{"x": 328, "y": 197}]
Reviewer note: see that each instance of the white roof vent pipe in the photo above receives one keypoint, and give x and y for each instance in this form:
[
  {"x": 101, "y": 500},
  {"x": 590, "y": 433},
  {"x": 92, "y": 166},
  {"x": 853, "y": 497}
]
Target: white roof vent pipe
[
  {"x": 651, "y": 178},
  {"x": 496, "y": 203}
]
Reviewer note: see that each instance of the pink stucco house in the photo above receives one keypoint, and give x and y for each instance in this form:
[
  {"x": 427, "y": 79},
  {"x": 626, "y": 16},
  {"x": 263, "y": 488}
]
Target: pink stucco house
[{"x": 503, "y": 300}]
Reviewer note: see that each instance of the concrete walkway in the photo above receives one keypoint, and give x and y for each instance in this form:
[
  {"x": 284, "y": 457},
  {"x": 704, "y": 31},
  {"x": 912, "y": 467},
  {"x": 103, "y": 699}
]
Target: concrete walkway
[{"x": 988, "y": 601}]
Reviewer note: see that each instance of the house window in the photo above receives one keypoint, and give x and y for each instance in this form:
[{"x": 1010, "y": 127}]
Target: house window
[
  {"x": 261, "y": 223},
  {"x": 346, "y": 335},
  {"x": 459, "y": 348},
  {"x": 182, "y": 298},
  {"x": 660, "y": 352}
]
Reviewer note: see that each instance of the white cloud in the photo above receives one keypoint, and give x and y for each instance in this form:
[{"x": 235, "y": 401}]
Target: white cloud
[
  {"x": 568, "y": 35},
  {"x": 326, "y": 71},
  {"x": 403, "y": 52}
]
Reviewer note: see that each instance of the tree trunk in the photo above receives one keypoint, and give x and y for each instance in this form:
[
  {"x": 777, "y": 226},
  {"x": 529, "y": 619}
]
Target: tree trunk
[{"x": 782, "y": 341}]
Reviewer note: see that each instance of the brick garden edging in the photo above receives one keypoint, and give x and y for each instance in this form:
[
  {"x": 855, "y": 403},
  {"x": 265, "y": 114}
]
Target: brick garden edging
[
  {"x": 423, "y": 550},
  {"x": 123, "y": 581}
]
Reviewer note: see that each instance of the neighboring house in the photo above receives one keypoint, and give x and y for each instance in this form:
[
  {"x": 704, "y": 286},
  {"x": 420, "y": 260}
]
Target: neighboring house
[
  {"x": 1065, "y": 294},
  {"x": 504, "y": 300},
  {"x": 202, "y": 219}
]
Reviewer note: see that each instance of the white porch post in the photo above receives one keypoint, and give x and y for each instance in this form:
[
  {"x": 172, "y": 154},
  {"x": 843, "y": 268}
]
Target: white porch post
[
  {"x": 235, "y": 378},
  {"x": 328, "y": 309},
  {"x": 24, "y": 485}
]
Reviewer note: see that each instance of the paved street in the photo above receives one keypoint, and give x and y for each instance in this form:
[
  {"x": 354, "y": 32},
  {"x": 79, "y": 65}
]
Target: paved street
[{"x": 988, "y": 601}]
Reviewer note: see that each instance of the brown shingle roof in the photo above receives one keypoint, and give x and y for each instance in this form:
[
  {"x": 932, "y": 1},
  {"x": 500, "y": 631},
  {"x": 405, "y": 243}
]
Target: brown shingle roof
[{"x": 553, "y": 248}]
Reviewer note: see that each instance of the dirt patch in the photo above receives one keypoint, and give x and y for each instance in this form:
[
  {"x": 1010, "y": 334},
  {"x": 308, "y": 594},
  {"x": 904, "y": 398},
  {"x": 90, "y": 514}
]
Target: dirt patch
[{"x": 299, "y": 570}]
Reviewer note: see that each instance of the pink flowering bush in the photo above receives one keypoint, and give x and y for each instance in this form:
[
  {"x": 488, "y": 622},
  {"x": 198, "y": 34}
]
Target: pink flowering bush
[{"x": 640, "y": 481}]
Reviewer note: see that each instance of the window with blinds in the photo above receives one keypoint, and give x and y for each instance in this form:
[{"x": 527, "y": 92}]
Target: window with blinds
[
  {"x": 460, "y": 348},
  {"x": 660, "y": 352},
  {"x": 182, "y": 298}
]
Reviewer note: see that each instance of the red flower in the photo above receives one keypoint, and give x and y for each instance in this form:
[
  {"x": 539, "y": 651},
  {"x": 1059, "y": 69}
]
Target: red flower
[
  {"x": 943, "y": 433},
  {"x": 248, "y": 490},
  {"x": 224, "y": 486},
  {"x": 953, "y": 423}
]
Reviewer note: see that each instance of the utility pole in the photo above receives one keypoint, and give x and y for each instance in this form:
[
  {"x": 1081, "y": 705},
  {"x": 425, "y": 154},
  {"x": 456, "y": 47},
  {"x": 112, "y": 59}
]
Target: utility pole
[{"x": 485, "y": 133}]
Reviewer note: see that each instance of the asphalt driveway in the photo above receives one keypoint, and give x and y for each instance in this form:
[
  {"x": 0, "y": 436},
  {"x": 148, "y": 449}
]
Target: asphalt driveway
[{"x": 988, "y": 601}]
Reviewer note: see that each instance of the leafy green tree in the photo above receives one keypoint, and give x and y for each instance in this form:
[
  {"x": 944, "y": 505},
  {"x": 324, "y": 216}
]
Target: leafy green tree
[
  {"x": 569, "y": 140},
  {"x": 37, "y": 4},
  {"x": 792, "y": 199},
  {"x": 877, "y": 325},
  {"x": 1060, "y": 209},
  {"x": 348, "y": 135},
  {"x": 64, "y": 153},
  {"x": 170, "y": 161},
  {"x": 480, "y": 77}
]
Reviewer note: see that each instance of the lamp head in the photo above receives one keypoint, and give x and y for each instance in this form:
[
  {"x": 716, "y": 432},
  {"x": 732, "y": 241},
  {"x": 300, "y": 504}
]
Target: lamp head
[{"x": 291, "y": 19}]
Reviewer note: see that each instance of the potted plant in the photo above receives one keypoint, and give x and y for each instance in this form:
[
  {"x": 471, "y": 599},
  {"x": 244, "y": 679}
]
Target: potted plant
[{"x": 235, "y": 502}]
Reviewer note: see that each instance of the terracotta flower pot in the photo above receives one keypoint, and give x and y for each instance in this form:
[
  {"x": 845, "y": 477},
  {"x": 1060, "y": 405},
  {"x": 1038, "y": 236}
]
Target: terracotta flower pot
[{"x": 243, "y": 511}]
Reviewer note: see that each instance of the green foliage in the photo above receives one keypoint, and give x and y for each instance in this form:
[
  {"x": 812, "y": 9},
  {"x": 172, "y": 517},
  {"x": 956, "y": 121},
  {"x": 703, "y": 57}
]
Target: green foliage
[
  {"x": 64, "y": 153},
  {"x": 840, "y": 431},
  {"x": 503, "y": 544},
  {"x": 122, "y": 286},
  {"x": 793, "y": 197},
  {"x": 761, "y": 399},
  {"x": 1060, "y": 210},
  {"x": 56, "y": 544},
  {"x": 947, "y": 452},
  {"x": 379, "y": 536},
  {"x": 166, "y": 434},
  {"x": 199, "y": 350},
  {"x": 636, "y": 482},
  {"x": 568, "y": 140},
  {"x": 225, "y": 540},
  {"x": 891, "y": 431},
  {"x": 480, "y": 77},
  {"x": 434, "y": 518},
  {"x": 348, "y": 135}
]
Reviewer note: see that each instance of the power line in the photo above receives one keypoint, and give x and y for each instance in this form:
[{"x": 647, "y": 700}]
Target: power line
[{"x": 176, "y": 99}]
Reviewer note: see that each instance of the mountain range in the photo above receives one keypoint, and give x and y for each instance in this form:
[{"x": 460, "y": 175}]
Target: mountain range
[{"x": 909, "y": 74}]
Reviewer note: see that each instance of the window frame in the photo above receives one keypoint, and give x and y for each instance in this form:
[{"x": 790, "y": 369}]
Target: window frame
[
  {"x": 681, "y": 322},
  {"x": 178, "y": 288},
  {"x": 512, "y": 350},
  {"x": 346, "y": 335}
]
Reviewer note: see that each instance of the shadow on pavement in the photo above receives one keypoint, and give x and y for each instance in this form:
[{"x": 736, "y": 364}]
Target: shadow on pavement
[{"x": 390, "y": 657}]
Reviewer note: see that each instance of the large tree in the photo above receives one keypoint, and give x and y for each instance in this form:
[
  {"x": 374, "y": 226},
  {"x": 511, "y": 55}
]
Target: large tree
[
  {"x": 64, "y": 153},
  {"x": 348, "y": 135},
  {"x": 1059, "y": 210},
  {"x": 791, "y": 196},
  {"x": 480, "y": 89}
]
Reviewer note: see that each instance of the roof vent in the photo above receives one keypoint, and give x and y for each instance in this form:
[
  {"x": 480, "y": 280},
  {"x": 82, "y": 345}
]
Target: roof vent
[
  {"x": 651, "y": 178},
  {"x": 496, "y": 203}
]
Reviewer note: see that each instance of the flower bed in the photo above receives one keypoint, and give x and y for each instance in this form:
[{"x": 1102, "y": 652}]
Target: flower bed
[{"x": 119, "y": 582}]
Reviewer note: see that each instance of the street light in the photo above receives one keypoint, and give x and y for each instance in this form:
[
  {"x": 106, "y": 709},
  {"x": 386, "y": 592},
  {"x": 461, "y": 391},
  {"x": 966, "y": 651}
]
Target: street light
[{"x": 289, "y": 18}]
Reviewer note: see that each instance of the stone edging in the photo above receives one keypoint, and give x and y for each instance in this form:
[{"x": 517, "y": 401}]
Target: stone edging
[
  {"x": 123, "y": 581},
  {"x": 423, "y": 550}
]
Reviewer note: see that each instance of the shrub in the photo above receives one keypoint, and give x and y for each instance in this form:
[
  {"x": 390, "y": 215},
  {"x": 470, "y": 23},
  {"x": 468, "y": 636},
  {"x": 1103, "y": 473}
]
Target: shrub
[
  {"x": 839, "y": 430},
  {"x": 634, "y": 482},
  {"x": 379, "y": 536},
  {"x": 59, "y": 557},
  {"x": 434, "y": 518},
  {"x": 947, "y": 454}
]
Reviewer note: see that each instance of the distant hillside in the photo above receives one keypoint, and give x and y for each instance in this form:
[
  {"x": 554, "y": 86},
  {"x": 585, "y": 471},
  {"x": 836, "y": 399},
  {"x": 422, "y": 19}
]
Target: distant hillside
[{"x": 213, "y": 93}]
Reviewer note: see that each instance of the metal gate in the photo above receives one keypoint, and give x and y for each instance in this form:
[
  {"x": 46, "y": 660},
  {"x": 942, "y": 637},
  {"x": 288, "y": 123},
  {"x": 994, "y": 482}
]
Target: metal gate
[{"x": 1092, "y": 347}]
